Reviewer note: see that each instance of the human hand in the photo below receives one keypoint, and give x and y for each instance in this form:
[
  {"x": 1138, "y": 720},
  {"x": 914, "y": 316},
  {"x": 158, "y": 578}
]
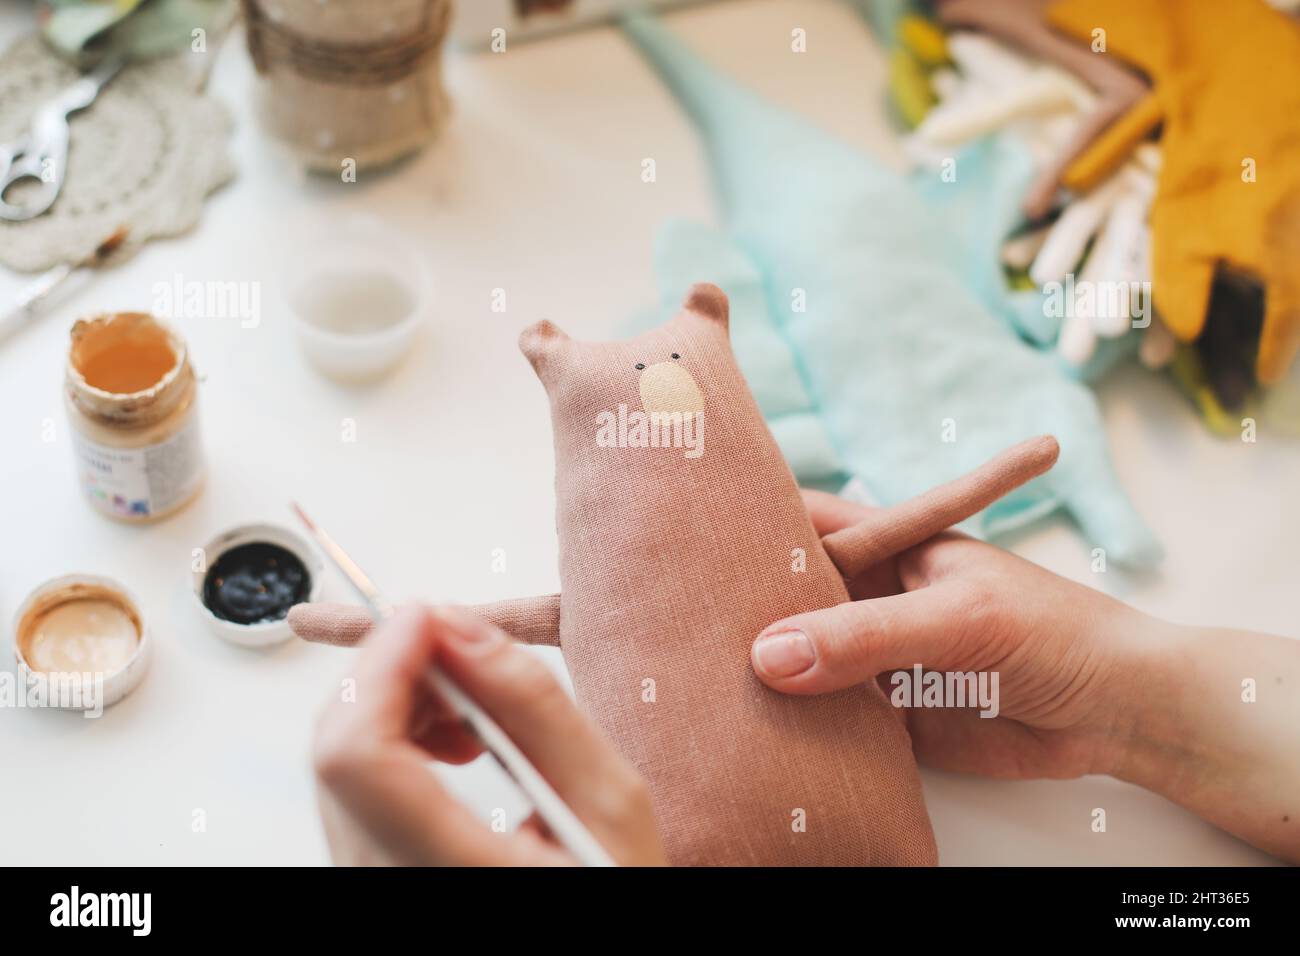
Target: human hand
[
  {"x": 1067, "y": 656},
  {"x": 381, "y": 802}
]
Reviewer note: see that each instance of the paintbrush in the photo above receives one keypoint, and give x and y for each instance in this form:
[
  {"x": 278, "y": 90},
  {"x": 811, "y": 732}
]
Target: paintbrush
[
  {"x": 565, "y": 826},
  {"x": 25, "y": 307}
]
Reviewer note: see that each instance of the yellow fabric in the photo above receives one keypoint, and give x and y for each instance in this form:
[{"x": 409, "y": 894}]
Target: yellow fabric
[
  {"x": 909, "y": 86},
  {"x": 923, "y": 39},
  {"x": 1226, "y": 76},
  {"x": 1113, "y": 146}
]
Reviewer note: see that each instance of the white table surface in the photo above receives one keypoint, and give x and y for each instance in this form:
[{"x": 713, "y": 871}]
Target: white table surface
[{"x": 534, "y": 188}]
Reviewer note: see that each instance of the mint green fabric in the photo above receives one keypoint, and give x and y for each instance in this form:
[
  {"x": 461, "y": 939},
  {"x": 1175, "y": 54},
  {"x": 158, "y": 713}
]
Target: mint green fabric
[
  {"x": 902, "y": 334},
  {"x": 978, "y": 211}
]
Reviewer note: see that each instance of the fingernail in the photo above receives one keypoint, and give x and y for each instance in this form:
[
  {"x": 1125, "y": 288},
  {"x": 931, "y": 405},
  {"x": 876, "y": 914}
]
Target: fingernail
[{"x": 784, "y": 654}]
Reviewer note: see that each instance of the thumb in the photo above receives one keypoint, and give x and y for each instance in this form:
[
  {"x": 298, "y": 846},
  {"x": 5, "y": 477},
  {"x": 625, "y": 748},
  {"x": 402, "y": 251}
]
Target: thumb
[{"x": 823, "y": 651}]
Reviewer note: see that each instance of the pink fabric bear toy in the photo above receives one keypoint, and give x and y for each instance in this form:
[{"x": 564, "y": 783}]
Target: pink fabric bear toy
[{"x": 682, "y": 536}]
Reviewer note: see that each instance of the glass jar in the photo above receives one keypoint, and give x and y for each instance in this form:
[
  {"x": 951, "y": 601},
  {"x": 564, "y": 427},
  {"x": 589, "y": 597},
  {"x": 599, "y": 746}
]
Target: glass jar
[
  {"x": 132, "y": 401},
  {"x": 349, "y": 86}
]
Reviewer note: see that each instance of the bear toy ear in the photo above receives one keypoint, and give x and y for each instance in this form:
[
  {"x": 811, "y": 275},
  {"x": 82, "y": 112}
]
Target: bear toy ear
[
  {"x": 541, "y": 340},
  {"x": 708, "y": 301}
]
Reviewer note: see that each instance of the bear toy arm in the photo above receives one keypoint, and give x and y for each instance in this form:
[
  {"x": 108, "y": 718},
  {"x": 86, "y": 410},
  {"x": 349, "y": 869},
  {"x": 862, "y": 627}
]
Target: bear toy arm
[
  {"x": 530, "y": 620},
  {"x": 891, "y": 530}
]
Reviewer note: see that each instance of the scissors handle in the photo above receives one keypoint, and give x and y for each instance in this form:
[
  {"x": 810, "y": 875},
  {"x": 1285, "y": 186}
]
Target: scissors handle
[
  {"x": 43, "y": 165},
  {"x": 84, "y": 91},
  {"x": 42, "y": 154}
]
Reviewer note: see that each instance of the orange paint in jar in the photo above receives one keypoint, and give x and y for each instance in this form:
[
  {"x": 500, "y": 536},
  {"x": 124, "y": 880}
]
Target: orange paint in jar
[{"x": 132, "y": 400}]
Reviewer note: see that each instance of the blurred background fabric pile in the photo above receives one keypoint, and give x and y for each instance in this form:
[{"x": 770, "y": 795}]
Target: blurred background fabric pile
[{"x": 1166, "y": 165}]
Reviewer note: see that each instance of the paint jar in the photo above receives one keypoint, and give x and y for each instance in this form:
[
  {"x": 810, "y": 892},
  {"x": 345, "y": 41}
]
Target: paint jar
[
  {"x": 349, "y": 86},
  {"x": 132, "y": 400},
  {"x": 83, "y": 640},
  {"x": 249, "y": 578}
]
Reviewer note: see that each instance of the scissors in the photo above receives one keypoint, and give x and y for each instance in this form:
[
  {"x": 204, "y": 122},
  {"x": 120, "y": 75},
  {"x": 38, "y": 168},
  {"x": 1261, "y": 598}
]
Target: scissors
[{"x": 42, "y": 153}]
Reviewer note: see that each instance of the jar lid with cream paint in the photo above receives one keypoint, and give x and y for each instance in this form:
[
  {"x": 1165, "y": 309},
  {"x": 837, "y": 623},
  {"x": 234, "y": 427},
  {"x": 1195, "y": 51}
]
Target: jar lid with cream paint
[{"x": 83, "y": 641}]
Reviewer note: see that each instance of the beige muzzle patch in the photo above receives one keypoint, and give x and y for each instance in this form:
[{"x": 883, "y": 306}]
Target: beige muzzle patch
[{"x": 666, "y": 387}]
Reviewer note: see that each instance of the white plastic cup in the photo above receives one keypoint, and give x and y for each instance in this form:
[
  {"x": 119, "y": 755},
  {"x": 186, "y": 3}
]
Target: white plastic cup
[{"x": 358, "y": 299}]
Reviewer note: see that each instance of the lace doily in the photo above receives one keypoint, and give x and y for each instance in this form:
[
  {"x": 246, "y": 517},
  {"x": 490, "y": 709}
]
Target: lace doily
[{"x": 143, "y": 155}]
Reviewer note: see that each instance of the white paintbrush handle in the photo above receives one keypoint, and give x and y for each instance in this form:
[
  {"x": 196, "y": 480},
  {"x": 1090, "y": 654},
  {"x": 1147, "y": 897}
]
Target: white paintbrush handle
[
  {"x": 566, "y": 827},
  {"x": 24, "y": 307}
]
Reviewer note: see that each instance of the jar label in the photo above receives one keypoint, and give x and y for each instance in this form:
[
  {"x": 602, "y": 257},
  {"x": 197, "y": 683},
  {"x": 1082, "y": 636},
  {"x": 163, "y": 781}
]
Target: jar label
[{"x": 145, "y": 481}]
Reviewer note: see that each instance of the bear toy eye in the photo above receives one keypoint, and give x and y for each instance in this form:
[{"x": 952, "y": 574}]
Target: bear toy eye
[
  {"x": 640, "y": 366},
  {"x": 676, "y": 356}
]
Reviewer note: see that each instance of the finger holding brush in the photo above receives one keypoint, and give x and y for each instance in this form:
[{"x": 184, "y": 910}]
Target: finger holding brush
[{"x": 381, "y": 805}]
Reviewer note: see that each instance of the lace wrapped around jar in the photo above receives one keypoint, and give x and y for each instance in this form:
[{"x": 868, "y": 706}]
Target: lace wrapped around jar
[{"x": 340, "y": 81}]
